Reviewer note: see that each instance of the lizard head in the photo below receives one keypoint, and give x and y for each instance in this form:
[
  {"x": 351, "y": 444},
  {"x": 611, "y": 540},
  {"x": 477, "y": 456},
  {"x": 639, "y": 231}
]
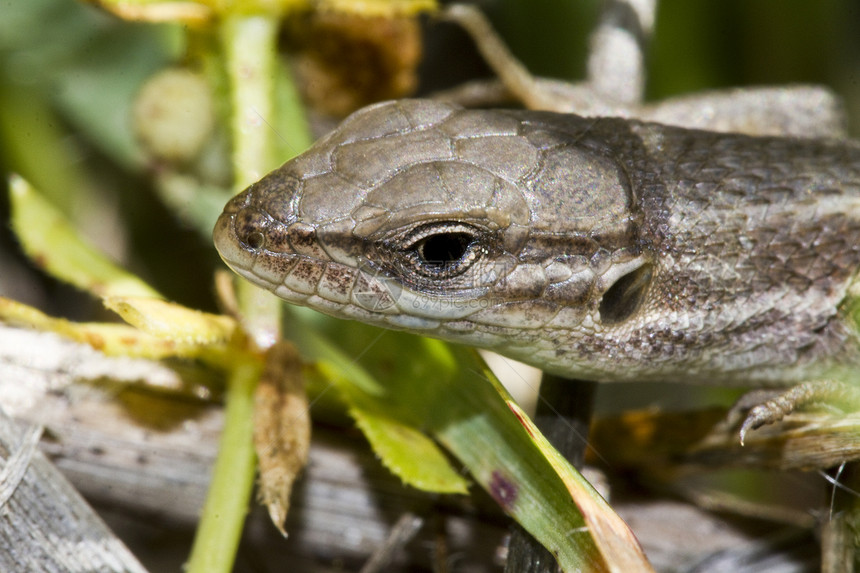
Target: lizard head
[{"x": 494, "y": 228}]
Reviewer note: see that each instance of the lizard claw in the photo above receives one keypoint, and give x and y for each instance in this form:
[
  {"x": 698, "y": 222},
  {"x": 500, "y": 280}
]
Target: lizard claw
[
  {"x": 831, "y": 392},
  {"x": 769, "y": 412}
]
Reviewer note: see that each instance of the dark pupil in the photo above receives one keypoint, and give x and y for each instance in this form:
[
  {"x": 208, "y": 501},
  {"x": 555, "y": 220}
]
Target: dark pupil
[{"x": 444, "y": 248}]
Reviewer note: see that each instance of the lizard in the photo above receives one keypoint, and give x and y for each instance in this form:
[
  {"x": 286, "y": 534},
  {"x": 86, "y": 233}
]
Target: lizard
[
  {"x": 609, "y": 249},
  {"x": 593, "y": 247},
  {"x": 606, "y": 249}
]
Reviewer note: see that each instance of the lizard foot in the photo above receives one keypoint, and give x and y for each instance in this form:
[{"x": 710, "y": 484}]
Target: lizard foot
[{"x": 830, "y": 392}]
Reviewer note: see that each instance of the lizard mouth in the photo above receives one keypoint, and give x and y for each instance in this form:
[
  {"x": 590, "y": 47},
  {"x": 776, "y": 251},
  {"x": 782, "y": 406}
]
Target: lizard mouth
[
  {"x": 260, "y": 248},
  {"x": 247, "y": 241},
  {"x": 227, "y": 243},
  {"x": 243, "y": 240}
]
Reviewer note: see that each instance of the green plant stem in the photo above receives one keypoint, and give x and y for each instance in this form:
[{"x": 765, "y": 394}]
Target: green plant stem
[
  {"x": 249, "y": 45},
  {"x": 223, "y": 516}
]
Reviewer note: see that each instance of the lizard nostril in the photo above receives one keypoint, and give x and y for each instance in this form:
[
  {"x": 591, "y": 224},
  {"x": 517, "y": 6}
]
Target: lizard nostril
[
  {"x": 254, "y": 240},
  {"x": 251, "y": 226}
]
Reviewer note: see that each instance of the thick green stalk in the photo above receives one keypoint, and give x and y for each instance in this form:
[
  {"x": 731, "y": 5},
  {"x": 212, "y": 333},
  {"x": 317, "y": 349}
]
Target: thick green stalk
[
  {"x": 249, "y": 45},
  {"x": 223, "y": 516},
  {"x": 250, "y": 49}
]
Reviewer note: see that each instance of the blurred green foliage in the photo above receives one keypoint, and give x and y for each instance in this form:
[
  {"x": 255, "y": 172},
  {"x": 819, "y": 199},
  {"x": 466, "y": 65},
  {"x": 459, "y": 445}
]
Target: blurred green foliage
[{"x": 69, "y": 74}]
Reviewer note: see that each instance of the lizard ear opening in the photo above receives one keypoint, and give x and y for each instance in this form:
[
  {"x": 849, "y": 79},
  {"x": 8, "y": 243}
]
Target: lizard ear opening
[{"x": 624, "y": 297}]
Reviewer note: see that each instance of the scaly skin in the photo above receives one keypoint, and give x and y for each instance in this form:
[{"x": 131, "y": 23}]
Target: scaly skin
[{"x": 596, "y": 248}]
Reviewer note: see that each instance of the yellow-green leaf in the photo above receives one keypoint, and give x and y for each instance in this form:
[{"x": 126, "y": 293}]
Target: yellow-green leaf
[
  {"x": 172, "y": 321},
  {"x": 405, "y": 451},
  {"x": 158, "y": 10},
  {"x": 409, "y": 453},
  {"x": 53, "y": 244},
  {"x": 112, "y": 339},
  {"x": 377, "y": 8}
]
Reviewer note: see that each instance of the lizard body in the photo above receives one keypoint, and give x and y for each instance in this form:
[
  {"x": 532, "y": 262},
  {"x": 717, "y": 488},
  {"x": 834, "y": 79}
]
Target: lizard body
[{"x": 599, "y": 248}]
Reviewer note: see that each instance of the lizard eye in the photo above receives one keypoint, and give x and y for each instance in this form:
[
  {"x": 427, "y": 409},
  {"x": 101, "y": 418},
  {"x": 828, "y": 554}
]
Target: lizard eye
[{"x": 443, "y": 251}]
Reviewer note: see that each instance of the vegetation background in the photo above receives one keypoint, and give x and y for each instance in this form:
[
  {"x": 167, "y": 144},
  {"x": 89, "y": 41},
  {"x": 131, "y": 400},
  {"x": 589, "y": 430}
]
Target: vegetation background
[{"x": 69, "y": 74}]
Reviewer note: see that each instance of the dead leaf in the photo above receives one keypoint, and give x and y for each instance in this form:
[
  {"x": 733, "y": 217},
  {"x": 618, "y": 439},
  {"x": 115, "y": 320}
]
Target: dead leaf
[{"x": 281, "y": 429}]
